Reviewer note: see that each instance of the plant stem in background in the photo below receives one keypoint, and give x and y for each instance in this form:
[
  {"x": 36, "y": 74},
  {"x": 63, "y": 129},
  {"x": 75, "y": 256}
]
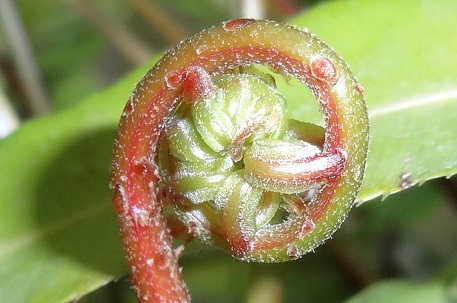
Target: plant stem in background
[
  {"x": 24, "y": 59},
  {"x": 159, "y": 19},
  {"x": 128, "y": 44}
]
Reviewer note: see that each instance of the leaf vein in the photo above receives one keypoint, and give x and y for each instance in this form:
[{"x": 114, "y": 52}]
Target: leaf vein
[
  {"x": 402, "y": 105},
  {"x": 19, "y": 242}
]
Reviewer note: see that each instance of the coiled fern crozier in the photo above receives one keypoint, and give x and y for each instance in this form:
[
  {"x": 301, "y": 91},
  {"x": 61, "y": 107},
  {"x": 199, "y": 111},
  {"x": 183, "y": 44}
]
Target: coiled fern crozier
[{"x": 207, "y": 133}]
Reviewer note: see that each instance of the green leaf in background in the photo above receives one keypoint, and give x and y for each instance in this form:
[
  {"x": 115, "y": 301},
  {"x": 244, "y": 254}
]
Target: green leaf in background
[
  {"x": 58, "y": 235},
  {"x": 400, "y": 292},
  {"x": 58, "y": 232},
  {"x": 403, "y": 55}
]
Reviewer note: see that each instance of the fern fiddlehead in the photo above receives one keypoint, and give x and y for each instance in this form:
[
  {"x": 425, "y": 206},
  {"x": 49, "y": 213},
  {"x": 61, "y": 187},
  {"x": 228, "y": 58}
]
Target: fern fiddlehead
[{"x": 208, "y": 133}]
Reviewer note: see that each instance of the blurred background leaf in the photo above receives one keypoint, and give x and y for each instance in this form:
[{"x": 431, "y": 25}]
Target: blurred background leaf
[{"x": 58, "y": 235}]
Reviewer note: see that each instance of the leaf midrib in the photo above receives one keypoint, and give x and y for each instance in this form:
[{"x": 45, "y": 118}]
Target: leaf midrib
[{"x": 418, "y": 101}]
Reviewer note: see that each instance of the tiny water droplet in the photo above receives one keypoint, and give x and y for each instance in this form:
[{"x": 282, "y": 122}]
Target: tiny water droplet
[
  {"x": 141, "y": 215},
  {"x": 200, "y": 49}
]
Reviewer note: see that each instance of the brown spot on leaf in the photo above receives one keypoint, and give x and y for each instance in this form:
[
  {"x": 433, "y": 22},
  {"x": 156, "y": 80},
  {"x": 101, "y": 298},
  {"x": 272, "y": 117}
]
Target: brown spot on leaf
[{"x": 405, "y": 181}]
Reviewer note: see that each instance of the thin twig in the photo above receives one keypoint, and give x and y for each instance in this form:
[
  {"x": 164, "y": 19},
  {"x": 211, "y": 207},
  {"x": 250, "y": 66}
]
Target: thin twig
[
  {"x": 21, "y": 51},
  {"x": 128, "y": 44},
  {"x": 14, "y": 87},
  {"x": 160, "y": 20}
]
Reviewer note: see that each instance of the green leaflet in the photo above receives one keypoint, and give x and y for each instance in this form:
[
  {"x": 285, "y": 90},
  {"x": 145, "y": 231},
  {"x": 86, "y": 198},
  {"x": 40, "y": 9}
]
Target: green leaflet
[
  {"x": 403, "y": 55},
  {"x": 58, "y": 232},
  {"x": 400, "y": 291}
]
